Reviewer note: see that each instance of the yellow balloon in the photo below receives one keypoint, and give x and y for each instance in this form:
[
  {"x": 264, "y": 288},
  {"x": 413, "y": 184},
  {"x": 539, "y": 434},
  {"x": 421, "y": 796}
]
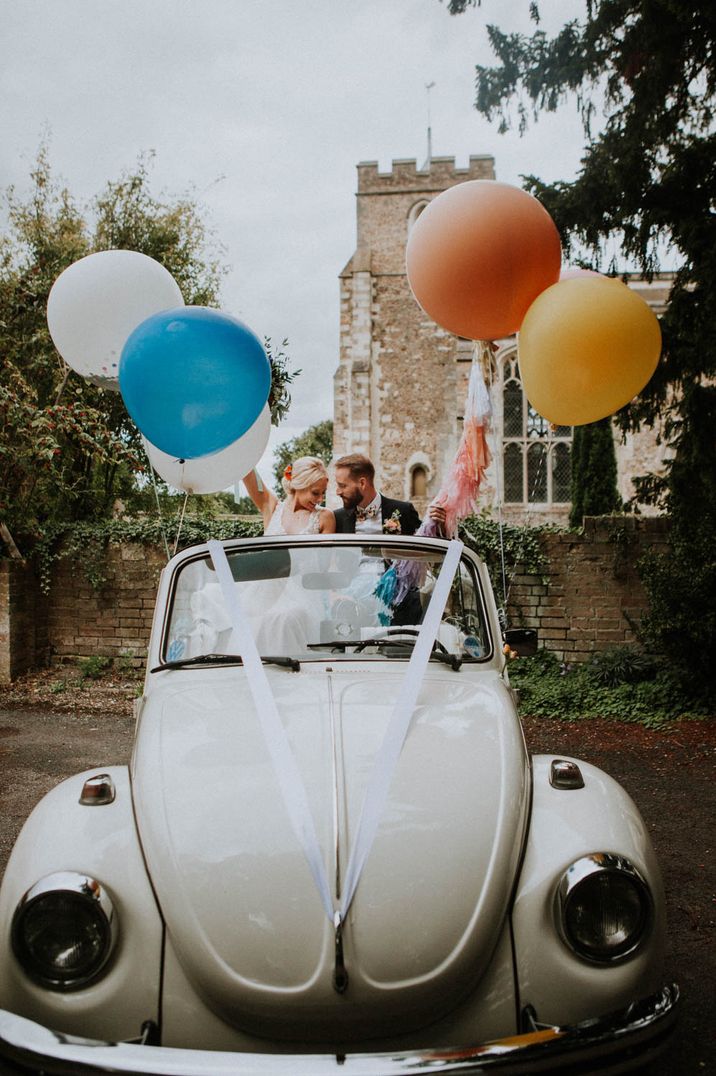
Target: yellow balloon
[{"x": 586, "y": 347}]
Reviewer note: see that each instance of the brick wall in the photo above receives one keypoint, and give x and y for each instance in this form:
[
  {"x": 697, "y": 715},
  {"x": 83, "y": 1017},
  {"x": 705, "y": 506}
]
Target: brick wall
[
  {"x": 593, "y": 595},
  {"x": 23, "y": 622},
  {"x": 591, "y": 598},
  {"x": 113, "y": 622}
]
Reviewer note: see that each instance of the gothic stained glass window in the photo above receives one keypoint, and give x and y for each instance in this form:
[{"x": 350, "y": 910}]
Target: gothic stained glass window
[
  {"x": 512, "y": 409},
  {"x": 536, "y": 456},
  {"x": 561, "y": 472},
  {"x": 537, "y": 473},
  {"x": 513, "y": 476}
]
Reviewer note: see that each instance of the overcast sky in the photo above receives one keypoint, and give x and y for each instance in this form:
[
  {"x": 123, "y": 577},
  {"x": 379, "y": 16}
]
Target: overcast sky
[{"x": 263, "y": 108}]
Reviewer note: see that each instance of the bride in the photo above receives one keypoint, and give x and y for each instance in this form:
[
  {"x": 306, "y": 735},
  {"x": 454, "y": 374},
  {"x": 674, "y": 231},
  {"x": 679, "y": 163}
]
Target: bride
[
  {"x": 304, "y": 482},
  {"x": 284, "y": 615}
]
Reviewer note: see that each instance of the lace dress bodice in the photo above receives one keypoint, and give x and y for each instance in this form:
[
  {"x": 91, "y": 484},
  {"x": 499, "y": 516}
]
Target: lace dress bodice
[{"x": 276, "y": 526}]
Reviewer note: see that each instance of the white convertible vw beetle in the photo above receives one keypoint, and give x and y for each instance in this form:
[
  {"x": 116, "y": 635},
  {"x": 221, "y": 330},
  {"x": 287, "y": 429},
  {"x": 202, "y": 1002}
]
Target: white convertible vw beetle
[{"x": 331, "y": 851}]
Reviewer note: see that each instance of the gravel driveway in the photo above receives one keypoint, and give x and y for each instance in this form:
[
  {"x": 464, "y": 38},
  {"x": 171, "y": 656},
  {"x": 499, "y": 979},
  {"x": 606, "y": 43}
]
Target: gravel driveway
[{"x": 669, "y": 775}]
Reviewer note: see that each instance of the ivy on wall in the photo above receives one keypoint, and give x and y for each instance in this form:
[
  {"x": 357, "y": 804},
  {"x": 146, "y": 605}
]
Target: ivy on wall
[
  {"x": 520, "y": 547},
  {"x": 86, "y": 542}
]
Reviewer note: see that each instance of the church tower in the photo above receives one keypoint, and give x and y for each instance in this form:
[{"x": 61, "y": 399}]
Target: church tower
[{"x": 400, "y": 384}]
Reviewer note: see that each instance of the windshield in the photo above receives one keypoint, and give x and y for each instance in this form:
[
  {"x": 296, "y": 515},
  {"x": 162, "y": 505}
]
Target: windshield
[{"x": 314, "y": 601}]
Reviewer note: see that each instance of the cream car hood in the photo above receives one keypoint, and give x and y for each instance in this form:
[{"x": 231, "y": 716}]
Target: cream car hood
[{"x": 233, "y": 884}]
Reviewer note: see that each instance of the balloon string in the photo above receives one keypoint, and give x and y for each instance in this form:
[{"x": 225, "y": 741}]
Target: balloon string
[
  {"x": 158, "y": 506},
  {"x": 489, "y": 373},
  {"x": 481, "y": 349},
  {"x": 62, "y": 386},
  {"x": 181, "y": 523}
]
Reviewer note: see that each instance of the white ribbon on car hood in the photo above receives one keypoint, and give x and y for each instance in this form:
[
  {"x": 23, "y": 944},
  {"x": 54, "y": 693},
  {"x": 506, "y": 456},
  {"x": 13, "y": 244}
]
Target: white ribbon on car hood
[{"x": 290, "y": 781}]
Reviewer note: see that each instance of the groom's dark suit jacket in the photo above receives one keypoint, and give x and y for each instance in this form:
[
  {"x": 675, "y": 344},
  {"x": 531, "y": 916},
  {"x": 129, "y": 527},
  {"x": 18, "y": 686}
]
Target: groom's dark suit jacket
[{"x": 409, "y": 518}]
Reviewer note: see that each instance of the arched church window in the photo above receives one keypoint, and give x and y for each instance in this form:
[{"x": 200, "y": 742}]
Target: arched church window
[
  {"x": 561, "y": 472},
  {"x": 536, "y": 456},
  {"x": 415, "y": 211},
  {"x": 418, "y": 481},
  {"x": 513, "y": 476}
]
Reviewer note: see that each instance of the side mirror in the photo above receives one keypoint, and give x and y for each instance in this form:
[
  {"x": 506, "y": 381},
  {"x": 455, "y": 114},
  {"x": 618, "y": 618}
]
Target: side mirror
[{"x": 522, "y": 640}]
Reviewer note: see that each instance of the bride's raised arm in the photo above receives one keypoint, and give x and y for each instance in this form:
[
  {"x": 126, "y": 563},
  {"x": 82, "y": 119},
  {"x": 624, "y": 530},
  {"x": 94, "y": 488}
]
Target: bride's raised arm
[{"x": 262, "y": 497}]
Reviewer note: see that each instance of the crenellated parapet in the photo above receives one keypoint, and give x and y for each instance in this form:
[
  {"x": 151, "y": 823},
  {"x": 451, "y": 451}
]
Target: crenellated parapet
[{"x": 437, "y": 174}]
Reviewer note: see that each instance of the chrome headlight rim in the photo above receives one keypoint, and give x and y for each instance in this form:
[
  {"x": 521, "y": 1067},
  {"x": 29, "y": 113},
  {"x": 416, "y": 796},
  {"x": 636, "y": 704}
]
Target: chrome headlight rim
[
  {"x": 587, "y": 867},
  {"x": 78, "y": 887}
]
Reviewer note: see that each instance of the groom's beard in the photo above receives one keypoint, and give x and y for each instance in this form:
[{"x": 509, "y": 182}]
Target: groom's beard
[{"x": 351, "y": 503}]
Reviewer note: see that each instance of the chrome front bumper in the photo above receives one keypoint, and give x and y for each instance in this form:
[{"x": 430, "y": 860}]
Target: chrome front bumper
[{"x": 618, "y": 1041}]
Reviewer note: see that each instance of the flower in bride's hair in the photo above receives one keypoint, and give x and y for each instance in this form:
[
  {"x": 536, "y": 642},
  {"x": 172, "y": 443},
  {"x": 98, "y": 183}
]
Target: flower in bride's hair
[{"x": 288, "y": 473}]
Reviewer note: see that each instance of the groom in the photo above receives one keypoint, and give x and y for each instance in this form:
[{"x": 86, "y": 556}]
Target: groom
[{"x": 365, "y": 510}]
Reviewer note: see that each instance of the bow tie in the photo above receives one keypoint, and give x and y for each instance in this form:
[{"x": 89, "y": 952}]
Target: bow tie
[{"x": 370, "y": 512}]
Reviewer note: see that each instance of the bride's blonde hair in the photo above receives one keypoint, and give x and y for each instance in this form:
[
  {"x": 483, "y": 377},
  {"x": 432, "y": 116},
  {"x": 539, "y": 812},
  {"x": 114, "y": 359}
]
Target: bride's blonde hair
[{"x": 302, "y": 473}]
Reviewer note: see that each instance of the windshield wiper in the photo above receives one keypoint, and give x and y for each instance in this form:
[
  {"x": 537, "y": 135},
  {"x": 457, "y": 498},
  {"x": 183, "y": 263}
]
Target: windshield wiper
[
  {"x": 333, "y": 644},
  {"x": 227, "y": 659},
  {"x": 439, "y": 653}
]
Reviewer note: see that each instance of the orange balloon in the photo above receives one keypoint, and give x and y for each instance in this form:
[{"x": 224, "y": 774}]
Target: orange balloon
[
  {"x": 479, "y": 254},
  {"x": 587, "y": 346}
]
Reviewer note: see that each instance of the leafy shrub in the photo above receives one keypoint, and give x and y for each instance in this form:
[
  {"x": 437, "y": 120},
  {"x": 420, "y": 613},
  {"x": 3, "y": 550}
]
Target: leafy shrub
[
  {"x": 681, "y": 620},
  {"x": 620, "y": 665},
  {"x": 93, "y": 667},
  {"x": 620, "y": 686},
  {"x": 127, "y": 663}
]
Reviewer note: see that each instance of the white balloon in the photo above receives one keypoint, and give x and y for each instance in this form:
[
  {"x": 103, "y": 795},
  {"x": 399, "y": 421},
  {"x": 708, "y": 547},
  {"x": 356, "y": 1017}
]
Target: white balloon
[
  {"x": 98, "y": 301},
  {"x": 211, "y": 474}
]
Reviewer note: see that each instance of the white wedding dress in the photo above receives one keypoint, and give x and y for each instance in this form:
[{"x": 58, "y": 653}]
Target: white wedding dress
[
  {"x": 276, "y": 526},
  {"x": 283, "y": 615}
]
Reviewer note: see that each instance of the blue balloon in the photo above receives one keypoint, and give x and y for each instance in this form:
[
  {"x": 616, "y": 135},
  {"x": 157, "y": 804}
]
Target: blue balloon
[{"x": 194, "y": 380}]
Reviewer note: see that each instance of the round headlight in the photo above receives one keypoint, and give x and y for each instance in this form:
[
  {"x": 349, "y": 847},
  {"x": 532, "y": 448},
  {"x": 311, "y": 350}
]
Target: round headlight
[
  {"x": 604, "y": 907},
  {"x": 64, "y": 930}
]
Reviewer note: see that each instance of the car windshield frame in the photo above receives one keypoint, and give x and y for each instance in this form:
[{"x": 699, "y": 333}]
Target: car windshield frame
[{"x": 342, "y": 650}]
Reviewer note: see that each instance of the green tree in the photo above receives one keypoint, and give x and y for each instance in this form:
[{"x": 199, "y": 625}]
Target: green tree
[
  {"x": 681, "y": 583},
  {"x": 594, "y": 472},
  {"x": 647, "y": 183},
  {"x": 315, "y": 441},
  {"x": 68, "y": 449},
  {"x": 648, "y": 179}
]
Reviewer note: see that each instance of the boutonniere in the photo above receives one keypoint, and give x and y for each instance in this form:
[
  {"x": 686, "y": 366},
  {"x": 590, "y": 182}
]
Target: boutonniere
[{"x": 392, "y": 525}]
